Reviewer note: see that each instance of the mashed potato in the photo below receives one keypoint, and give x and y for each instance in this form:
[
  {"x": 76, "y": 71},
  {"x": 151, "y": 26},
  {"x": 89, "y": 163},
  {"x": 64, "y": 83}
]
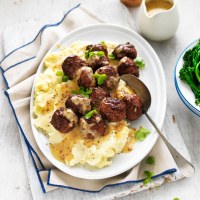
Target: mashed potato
[{"x": 71, "y": 148}]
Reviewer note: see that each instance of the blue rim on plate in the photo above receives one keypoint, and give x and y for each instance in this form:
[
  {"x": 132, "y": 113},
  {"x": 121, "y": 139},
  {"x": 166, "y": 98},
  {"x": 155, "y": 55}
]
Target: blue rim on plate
[{"x": 182, "y": 97}]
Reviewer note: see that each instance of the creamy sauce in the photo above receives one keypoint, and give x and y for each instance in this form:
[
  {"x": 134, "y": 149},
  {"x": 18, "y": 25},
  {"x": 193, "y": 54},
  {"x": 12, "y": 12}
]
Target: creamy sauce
[
  {"x": 69, "y": 114},
  {"x": 86, "y": 128},
  {"x": 63, "y": 150},
  {"x": 85, "y": 102},
  {"x": 156, "y": 6},
  {"x": 121, "y": 90},
  {"x": 92, "y": 59},
  {"x": 62, "y": 92},
  {"x": 129, "y": 145}
]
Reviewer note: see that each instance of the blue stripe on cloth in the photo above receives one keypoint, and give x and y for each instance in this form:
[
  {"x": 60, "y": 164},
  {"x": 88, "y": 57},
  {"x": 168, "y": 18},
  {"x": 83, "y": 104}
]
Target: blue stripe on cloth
[
  {"x": 19, "y": 63},
  {"x": 40, "y": 32},
  {"x": 30, "y": 148},
  {"x": 4, "y": 78},
  {"x": 170, "y": 171}
]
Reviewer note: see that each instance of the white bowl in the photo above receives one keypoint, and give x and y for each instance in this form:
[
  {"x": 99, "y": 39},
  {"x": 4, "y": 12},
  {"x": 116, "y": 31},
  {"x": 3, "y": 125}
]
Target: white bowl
[
  {"x": 186, "y": 103},
  {"x": 153, "y": 77},
  {"x": 184, "y": 91}
]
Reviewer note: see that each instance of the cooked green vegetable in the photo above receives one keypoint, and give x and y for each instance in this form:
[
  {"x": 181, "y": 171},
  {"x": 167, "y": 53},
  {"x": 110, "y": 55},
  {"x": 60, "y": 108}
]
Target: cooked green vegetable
[
  {"x": 190, "y": 72},
  {"x": 139, "y": 62},
  {"x": 142, "y": 133},
  {"x": 100, "y": 78},
  {"x": 150, "y": 160},
  {"x": 112, "y": 56},
  {"x": 197, "y": 71},
  {"x": 83, "y": 91},
  {"x": 176, "y": 198},
  {"x": 90, "y": 114},
  {"x": 148, "y": 175}
]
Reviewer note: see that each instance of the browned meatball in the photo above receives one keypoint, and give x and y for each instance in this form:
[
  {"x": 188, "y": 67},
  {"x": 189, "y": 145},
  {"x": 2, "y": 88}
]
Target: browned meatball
[
  {"x": 113, "y": 109},
  {"x": 93, "y": 127},
  {"x": 64, "y": 120},
  {"x": 71, "y": 64},
  {"x": 85, "y": 77},
  {"x": 112, "y": 79},
  {"x": 127, "y": 66},
  {"x": 98, "y": 94},
  {"x": 97, "y": 47},
  {"x": 125, "y": 50},
  {"x": 134, "y": 106},
  {"x": 78, "y": 103},
  {"x": 95, "y": 62}
]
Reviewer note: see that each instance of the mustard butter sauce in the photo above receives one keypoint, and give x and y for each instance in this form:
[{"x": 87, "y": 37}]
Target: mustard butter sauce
[{"x": 155, "y": 6}]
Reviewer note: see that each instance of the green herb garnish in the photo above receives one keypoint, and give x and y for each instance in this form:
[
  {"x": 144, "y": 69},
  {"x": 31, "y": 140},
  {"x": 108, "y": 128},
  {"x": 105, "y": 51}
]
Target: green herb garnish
[
  {"x": 103, "y": 43},
  {"x": 65, "y": 78},
  {"x": 87, "y": 54},
  {"x": 142, "y": 133},
  {"x": 100, "y": 78},
  {"x": 150, "y": 160},
  {"x": 82, "y": 91},
  {"x": 59, "y": 73},
  {"x": 148, "y": 175},
  {"x": 176, "y": 198},
  {"x": 139, "y": 62},
  {"x": 96, "y": 53},
  {"x": 190, "y": 72},
  {"x": 90, "y": 114},
  {"x": 112, "y": 56}
]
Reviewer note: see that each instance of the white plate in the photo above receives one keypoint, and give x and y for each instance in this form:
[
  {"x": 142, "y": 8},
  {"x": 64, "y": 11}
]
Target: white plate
[
  {"x": 184, "y": 91},
  {"x": 152, "y": 75}
]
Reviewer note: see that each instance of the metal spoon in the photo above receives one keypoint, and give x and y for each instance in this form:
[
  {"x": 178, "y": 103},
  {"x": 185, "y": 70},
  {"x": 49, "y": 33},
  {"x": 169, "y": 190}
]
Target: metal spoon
[{"x": 186, "y": 168}]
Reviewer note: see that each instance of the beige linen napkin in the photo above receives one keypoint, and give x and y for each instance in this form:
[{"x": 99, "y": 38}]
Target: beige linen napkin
[{"x": 19, "y": 68}]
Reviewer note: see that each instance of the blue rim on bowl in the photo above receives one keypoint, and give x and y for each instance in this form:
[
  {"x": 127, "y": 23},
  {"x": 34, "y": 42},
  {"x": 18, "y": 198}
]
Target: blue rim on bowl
[
  {"x": 185, "y": 101},
  {"x": 182, "y": 97}
]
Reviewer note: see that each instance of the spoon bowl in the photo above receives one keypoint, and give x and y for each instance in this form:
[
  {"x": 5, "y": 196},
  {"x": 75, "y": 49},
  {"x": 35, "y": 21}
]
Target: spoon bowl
[{"x": 186, "y": 168}]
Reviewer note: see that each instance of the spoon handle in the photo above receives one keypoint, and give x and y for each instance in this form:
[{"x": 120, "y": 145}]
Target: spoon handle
[{"x": 186, "y": 168}]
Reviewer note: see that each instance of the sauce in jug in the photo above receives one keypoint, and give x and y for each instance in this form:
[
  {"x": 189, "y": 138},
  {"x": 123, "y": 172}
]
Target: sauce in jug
[{"x": 155, "y": 6}]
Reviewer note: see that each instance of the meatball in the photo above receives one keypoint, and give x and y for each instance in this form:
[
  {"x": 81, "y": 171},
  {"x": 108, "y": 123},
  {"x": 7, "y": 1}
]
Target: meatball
[
  {"x": 113, "y": 109},
  {"x": 112, "y": 79},
  {"x": 134, "y": 106},
  {"x": 125, "y": 50},
  {"x": 64, "y": 120},
  {"x": 85, "y": 78},
  {"x": 78, "y": 103},
  {"x": 97, "y": 47},
  {"x": 71, "y": 64},
  {"x": 97, "y": 61},
  {"x": 98, "y": 94},
  {"x": 127, "y": 66},
  {"x": 93, "y": 127}
]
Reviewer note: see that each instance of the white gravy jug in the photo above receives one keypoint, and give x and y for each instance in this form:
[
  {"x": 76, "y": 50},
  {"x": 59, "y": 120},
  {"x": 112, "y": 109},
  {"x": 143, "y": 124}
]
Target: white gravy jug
[{"x": 158, "y": 19}]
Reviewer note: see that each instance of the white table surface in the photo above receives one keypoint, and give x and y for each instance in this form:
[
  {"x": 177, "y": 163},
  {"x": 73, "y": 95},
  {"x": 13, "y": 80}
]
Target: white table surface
[{"x": 13, "y": 178}]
